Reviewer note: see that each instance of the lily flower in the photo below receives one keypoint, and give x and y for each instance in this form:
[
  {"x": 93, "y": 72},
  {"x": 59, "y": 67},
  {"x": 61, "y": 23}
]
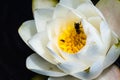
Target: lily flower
[{"x": 71, "y": 39}]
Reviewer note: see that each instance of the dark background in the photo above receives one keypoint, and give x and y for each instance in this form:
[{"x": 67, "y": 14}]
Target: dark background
[{"x": 13, "y": 51}]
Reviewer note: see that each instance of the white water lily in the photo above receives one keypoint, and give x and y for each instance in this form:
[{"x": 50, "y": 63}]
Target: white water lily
[{"x": 70, "y": 38}]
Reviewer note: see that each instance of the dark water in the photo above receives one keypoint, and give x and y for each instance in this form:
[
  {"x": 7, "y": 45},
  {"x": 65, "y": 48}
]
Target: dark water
[{"x": 13, "y": 50}]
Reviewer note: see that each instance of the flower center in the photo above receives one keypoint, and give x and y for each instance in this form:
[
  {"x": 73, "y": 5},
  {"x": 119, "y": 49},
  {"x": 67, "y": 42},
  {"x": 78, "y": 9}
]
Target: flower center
[{"x": 72, "y": 39}]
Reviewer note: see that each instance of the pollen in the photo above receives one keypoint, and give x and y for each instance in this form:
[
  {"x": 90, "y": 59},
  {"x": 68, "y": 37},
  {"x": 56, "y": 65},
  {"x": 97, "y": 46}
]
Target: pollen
[{"x": 72, "y": 39}]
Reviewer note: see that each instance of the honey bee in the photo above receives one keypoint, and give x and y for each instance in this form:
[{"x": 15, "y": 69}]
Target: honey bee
[
  {"x": 77, "y": 27},
  {"x": 62, "y": 40}
]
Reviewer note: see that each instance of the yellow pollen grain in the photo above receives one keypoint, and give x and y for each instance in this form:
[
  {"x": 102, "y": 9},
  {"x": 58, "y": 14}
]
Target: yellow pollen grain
[{"x": 72, "y": 39}]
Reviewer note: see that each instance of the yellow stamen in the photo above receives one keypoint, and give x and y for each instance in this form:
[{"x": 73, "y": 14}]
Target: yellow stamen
[{"x": 72, "y": 39}]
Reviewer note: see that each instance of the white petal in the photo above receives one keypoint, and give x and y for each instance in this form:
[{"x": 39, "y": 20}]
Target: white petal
[
  {"x": 54, "y": 28},
  {"x": 38, "y": 4},
  {"x": 73, "y": 3},
  {"x": 37, "y": 64},
  {"x": 54, "y": 52},
  {"x": 41, "y": 17},
  {"x": 95, "y": 71},
  {"x": 60, "y": 11},
  {"x": 39, "y": 44},
  {"x": 65, "y": 13},
  {"x": 51, "y": 30},
  {"x": 63, "y": 78},
  {"x": 112, "y": 55},
  {"x": 91, "y": 32},
  {"x": 95, "y": 21},
  {"x": 27, "y": 30},
  {"x": 94, "y": 41},
  {"x": 88, "y": 10},
  {"x": 105, "y": 34},
  {"x": 72, "y": 66}
]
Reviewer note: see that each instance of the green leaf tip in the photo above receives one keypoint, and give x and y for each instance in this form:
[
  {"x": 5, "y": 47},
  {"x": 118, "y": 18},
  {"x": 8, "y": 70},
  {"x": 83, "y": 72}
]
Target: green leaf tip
[{"x": 118, "y": 44}]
